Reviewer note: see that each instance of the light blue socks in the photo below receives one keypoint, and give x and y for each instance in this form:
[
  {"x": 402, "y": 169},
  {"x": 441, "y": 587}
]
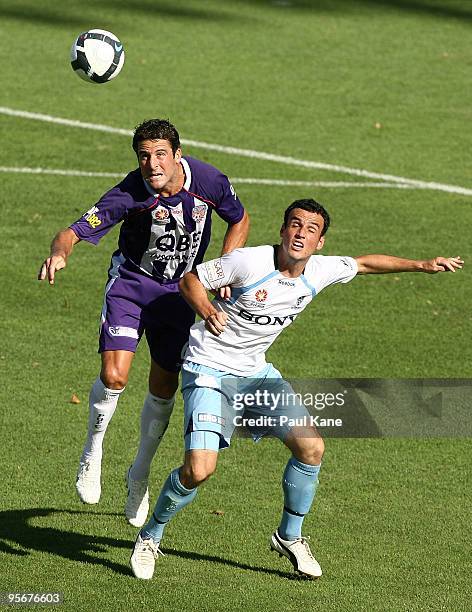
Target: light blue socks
[
  {"x": 299, "y": 484},
  {"x": 173, "y": 497}
]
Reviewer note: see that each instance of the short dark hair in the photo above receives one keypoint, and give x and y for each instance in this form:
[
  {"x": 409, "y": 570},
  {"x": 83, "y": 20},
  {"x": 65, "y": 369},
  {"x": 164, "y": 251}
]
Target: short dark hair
[
  {"x": 156, "y": 129},
  {"x": 311, "y": 206}
]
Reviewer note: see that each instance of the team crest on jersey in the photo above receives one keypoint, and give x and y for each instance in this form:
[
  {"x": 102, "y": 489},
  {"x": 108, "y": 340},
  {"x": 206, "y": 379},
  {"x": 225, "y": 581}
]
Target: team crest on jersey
[
  {"x": 161, "y": 215},
  {"x": 199, "y": 212},
  {"x": 300, "y": 300},
  {"x": 261, "y": 295}
]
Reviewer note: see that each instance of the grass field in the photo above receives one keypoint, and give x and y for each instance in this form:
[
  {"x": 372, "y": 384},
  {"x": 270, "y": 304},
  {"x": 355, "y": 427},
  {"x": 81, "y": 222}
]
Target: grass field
[{"x": 382, "y": 87}]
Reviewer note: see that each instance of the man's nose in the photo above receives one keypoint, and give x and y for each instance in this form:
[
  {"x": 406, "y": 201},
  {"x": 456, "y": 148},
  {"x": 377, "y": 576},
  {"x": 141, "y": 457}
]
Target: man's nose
[{"x": 153, "y": 162}]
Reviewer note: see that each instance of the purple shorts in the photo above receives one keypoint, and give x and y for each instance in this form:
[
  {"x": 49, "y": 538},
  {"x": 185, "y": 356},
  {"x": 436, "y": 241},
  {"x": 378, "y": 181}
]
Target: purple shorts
[{"x": 135, "y": 303}]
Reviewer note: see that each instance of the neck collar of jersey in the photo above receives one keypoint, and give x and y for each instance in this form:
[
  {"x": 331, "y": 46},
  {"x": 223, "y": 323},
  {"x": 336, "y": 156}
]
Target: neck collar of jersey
[{"x": 187, "y": 173}]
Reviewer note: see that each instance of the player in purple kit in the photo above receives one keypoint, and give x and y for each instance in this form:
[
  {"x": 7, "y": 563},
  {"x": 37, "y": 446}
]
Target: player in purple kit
[{"x": 165, "y": 207}]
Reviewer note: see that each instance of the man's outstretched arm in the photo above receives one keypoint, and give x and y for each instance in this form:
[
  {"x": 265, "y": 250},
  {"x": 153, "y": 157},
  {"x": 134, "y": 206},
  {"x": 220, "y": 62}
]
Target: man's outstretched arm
[
  {"x": 61, "y": 248},
  {"x": 383, "y": 264}
]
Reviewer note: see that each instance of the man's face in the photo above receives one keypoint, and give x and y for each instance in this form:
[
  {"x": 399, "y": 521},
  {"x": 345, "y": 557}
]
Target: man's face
[
  {"x": 301, "y": 237},
  {"x": 159, "y": 167}
]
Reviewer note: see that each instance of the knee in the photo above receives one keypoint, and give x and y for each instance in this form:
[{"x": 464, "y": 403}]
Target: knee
[
  {"x": 194, "y": 475},
  {"x": 114, "y": 377},
  {"x": 310, "y": 450},
  {"x": 163, "y": 383},
  {"x": 163, "y": 388}
]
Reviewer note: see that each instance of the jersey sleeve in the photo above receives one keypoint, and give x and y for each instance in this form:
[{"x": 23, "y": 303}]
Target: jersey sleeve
[
  {"x": 98, "y": 220},
  {"x": 228, "y": 205},
  {"x": 329, "y": 270},
  {"x": 230, "y": 269}
]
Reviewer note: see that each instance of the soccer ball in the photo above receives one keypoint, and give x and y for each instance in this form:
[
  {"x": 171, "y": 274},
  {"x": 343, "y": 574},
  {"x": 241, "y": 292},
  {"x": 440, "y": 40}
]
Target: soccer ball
[{"x": 97, "y": 56}]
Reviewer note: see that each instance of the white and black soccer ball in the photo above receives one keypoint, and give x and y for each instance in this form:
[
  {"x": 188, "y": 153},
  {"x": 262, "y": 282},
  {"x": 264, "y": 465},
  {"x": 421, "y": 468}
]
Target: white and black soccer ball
[{"x": 97, "y": 56}]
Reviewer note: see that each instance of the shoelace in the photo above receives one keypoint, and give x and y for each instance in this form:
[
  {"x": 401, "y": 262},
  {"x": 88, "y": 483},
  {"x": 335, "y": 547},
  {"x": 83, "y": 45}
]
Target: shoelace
[
  {"x": 154, "y": 548},
  {"x": 304, "y": 542},
  {"x": 85, "y": 469}
]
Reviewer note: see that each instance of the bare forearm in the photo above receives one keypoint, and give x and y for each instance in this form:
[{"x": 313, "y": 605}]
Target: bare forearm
[
  {"x": 236, "y": 235},
  {"x": 63, "y": 243},
  {"x": 196, "y": 295},
  {"x": 384, "y": 264},
  {"x": 61, "y": 248}
]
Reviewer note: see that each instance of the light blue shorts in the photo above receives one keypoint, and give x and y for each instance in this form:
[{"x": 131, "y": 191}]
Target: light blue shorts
[{"x": 218, "y": 402}]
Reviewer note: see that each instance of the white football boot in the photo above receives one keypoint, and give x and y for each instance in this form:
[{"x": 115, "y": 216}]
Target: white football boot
[
  {"x": 143, "y": 558},
  {"x": 298, "y": 553},
  {"x": 88, "y": 483},
  {"x": 137, "y": 503}
]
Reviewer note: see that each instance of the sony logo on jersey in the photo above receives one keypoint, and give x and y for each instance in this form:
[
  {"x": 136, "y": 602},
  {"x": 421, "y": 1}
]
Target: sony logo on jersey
[
  {"x": 286, "y": 283},
  {"x": 265, "y": 319}
]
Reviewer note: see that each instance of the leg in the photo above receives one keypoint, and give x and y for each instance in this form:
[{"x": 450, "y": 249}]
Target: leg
[
  {"x": 175, "y": 495},
  {"x": 167, "y": 325},
  {"x": 155, "y": 416},
  {"x": 103, "y": 400},
  {"x": 201, "y": 456},
  {"x": 180, "y": 487},
  {"x": 300, "y": 478},
  {"x": 300, "y": 481}
]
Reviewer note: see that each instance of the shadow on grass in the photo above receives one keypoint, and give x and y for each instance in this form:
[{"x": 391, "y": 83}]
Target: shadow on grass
[
  {"x": 19, "y": 537},
  {"x": 184, "y": 554},
  {"x": 191, "y": 12},
  {"x": 71, "y": 16},
  {"x": 434, "y": 8}
]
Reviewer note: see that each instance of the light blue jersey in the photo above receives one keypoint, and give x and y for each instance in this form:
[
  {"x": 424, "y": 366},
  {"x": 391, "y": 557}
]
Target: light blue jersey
[{"x": 263, "y": 303}]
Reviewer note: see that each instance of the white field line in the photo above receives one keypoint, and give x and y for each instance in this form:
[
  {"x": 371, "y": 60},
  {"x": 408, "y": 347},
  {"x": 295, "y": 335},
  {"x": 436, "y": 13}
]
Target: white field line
[
  {"x": 235, "y": 181},
  {"x": 24, "y": 170},
  {"x": 248, "y": 153},
  {"x": 328, "y": 184}
]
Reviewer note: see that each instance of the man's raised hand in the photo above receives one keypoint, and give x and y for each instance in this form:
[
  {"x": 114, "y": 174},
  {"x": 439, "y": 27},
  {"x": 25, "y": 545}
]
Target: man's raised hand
[{"x": 443, "y": 264}]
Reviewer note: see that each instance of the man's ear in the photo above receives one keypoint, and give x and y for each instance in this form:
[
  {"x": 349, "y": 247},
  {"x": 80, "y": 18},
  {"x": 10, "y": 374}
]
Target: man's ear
[
  {"x": 178, "y": 155},
  {"x": 281, "y": 230},
  {"x": 320, "y": 244}
]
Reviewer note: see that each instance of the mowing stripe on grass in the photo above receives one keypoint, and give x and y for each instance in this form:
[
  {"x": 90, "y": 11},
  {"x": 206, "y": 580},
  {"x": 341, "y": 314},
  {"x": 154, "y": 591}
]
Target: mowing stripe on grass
[
  {"x": 235, "y": 181},
  {"x": 248, "y": 153}
]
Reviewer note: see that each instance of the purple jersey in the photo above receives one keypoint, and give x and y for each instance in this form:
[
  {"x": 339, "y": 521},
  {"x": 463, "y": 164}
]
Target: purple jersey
[{"x": 163, "y": 237}]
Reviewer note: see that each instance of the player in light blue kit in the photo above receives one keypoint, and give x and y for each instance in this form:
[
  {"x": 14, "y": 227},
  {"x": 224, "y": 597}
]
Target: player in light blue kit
[{"x": 225, "y": 361}]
